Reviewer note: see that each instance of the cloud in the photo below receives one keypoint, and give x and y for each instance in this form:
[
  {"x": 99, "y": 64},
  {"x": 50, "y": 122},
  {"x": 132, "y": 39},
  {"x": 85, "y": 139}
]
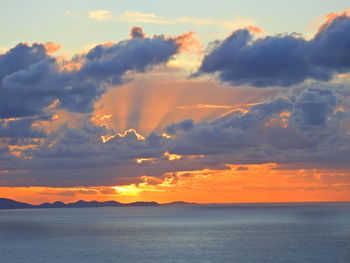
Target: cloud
[
  {"x": 52, "y": 47},
  {"x": 281, "y": 60},
  {"x": 303, "y": 124},
  {"x": 21, "y": 57},
  {"x": 127, "y": 17},
  {"x": 300, "y": 127},
  {"x": 330, "y": 17},
  {"x": 112, "y": 61},
  {"x": 32, "y": 79},
  {"x": 138, "y": 17},
  {"x": 330, "y": 47},
  {"x": 132, "y": 16},
  {"x": 230, "y": 133},
  {"x": 137, "y": 32},
  {"x": 101, "y": 15},
  {"x": 286, "y": 129},
  {"x": 21, "y": 128},
  {"x": 314, "y": 106},
  {"x": 185, "y": 125}
]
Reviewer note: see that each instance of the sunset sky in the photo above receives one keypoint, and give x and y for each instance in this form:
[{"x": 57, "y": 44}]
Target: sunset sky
[{"x": 202, "y": 101}]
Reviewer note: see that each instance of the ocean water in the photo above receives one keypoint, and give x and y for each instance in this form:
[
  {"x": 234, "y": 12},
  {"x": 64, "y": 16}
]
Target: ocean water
[{"x": 273, "y": 233}]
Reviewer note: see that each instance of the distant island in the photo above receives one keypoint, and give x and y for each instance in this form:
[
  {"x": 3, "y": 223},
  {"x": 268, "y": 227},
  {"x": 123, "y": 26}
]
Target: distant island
[{"x": 11, "y": 204}]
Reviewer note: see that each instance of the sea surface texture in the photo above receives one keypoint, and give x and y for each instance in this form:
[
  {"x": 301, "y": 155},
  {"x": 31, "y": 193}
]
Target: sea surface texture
[{"x": 273, "y": 233}]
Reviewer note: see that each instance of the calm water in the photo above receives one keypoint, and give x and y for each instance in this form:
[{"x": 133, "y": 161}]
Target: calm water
[{"x": 315, "y": 233}]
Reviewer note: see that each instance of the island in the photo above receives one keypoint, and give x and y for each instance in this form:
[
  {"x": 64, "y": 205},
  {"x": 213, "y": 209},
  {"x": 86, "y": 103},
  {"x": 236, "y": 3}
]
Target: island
[{"x": 12, "y": 204}]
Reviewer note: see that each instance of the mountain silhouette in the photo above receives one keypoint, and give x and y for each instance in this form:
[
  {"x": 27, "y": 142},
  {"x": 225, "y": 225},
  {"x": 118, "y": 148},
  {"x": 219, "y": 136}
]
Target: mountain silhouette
[{"x": 11, "y": 204}]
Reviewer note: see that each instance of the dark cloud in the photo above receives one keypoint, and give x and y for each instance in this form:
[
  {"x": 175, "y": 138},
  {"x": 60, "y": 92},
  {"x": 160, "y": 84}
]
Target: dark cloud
[
  {"x": 330, "y": 48},
  {"x": 137, "y": 32},
  {"x": 314, "y": 106},
  {"x": 295, "y": 128},
  {"x": 31, "y": 79},
  {"x": 231, "y": 133},
  {"x": 286, "y": 129},
  {"x": 21, "y": 57},
  {"x": 185, "y": 125},
  {"x": 298, "y": 125},
  {"x": 28, "y": 91},
  {"x": 108, "y": 63},
  {"x": 21, "y": 128},
  {"x": 281, "y": 60}
]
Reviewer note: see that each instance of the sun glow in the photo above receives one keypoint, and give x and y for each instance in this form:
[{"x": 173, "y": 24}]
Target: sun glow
[
  {"x": 164, "y": 96},
  {"x": 142, "y": 160},
  {"x": 138, "y": 136},
  {"x": 129, "y": 190},
  {"x": 172, "y": 157},
  {"x": 237, "y": 183}
]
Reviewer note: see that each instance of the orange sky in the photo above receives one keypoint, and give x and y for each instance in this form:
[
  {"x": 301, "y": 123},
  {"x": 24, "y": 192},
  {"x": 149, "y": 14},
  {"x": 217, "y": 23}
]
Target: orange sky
[{"x": 239, "y": 184}]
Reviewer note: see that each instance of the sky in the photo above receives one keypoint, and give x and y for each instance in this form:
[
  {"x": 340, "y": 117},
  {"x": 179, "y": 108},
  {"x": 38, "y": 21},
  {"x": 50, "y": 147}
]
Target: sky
[{"x": 202, "y": 101}]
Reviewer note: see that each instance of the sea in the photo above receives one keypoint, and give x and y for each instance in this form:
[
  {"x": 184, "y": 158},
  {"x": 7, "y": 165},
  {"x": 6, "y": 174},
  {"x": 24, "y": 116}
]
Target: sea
[{"x": 237, "y": 233}]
